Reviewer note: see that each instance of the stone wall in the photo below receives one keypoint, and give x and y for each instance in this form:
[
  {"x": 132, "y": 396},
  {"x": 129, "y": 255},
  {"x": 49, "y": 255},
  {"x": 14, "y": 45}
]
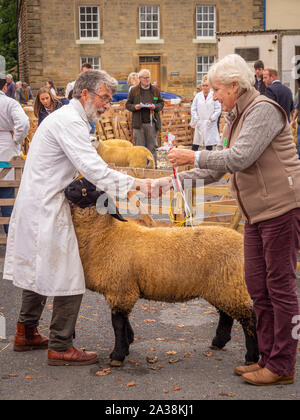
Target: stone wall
[{"x": 53, "y": 49}]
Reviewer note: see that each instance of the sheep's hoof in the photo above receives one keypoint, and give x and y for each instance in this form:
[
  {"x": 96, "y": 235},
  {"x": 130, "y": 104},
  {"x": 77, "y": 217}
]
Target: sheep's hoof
[
  {"x": 116, "y": 363},
  {"x": 217, "y": 348}
]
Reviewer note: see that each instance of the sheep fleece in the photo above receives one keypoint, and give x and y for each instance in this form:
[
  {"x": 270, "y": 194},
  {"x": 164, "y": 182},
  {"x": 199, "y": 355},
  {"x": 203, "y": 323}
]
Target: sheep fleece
[
  {"x": 132, "y": 157},
  {"x": 127, "y": 261}
]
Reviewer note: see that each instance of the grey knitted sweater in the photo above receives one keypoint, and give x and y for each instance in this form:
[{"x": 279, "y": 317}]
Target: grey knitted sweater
[{"x": 262, "y": 124}]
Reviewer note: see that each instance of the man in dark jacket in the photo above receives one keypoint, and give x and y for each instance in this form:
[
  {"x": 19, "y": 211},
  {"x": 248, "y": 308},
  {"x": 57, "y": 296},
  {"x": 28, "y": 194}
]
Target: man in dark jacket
[
  {"x": 259, "y": 74},
  {"x": 278, "y": 92},
  {"x": 145, "y": 103}
]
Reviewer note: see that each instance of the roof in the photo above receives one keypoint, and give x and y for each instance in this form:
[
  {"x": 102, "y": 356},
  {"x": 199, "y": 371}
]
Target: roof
[
  {"x": 259, "y": 31},
  {"x": 253, "y": 31}
]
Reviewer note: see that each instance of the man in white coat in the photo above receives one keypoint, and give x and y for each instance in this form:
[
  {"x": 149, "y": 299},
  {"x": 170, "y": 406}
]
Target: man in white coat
[
  {"x": 14, "y": 126},
  {"x": 42, "y": 254},
  {"x": 205, "y": 113}
]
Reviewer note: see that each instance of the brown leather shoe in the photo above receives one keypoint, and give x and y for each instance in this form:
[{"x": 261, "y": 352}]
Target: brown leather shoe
[
  {"x": 240, "y": 370},
  {"x": 28, "y": 338},
  {"x": 71, "y": 357},
  {"x": 264, "y": 377}
]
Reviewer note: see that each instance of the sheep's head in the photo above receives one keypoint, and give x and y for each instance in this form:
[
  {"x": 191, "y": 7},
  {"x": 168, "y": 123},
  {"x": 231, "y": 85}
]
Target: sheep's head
[{"x": 84, "y": 194}]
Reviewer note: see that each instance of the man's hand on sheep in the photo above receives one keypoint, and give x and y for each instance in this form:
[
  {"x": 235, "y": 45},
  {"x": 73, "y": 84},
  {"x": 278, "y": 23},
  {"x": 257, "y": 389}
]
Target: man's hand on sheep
[
  {"x": 160, "y": 186},
  {"x": 179, "y": 157},
  {"x": 143, "y": 185}
]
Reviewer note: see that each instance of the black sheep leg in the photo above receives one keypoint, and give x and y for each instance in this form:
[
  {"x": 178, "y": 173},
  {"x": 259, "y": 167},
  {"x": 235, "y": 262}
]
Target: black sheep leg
[
  {"x": 223, "y": 333},
  {"x": 121, "y": 349},
  {"x": 130, "y": 333},
  {"x": 249, "y": 327}
]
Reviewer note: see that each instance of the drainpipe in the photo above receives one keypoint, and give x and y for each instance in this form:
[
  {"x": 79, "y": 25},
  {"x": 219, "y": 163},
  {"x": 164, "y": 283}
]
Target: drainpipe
[{"x": 264, "y": 14}]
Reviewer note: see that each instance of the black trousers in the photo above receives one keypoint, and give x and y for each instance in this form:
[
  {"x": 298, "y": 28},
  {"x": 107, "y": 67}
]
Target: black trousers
[{"x": 64, "y": 317}]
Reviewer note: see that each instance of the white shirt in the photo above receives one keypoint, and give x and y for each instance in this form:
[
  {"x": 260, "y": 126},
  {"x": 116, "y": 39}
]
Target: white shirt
[
  {"x": 42, "y": 251},
  {"x": 70, "y": 86},
  {"x": 12, "y": 118}
]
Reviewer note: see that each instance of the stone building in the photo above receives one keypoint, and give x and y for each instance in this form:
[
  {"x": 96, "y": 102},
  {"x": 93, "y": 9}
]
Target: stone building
[
  {"x": 175, "y": 39},
  {"x": 277, "y": 44}
]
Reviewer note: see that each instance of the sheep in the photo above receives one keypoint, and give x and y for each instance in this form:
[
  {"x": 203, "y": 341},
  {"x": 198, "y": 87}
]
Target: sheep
[
  {"x": 118, "y": 142},
  {"x": 133, "y": 157},
  {"x": 127, "y": 261}
]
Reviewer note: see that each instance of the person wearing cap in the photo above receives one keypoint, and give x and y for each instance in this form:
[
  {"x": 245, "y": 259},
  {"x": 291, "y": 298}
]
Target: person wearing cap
[{"x": 12, "y": 120}]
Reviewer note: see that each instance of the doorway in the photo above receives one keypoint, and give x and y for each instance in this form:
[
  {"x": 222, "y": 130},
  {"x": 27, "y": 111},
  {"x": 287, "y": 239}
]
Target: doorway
[{"x": 151, "y": 63}]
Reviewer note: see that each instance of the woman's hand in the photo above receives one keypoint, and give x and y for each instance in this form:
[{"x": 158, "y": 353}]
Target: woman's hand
[{"x": 179, "y": 157}]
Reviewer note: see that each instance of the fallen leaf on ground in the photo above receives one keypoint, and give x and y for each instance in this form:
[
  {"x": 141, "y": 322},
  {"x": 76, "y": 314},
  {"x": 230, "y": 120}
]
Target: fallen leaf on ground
[
  {"x": 225, "y": 394},
  {"x": 176, "y": 388},
  {"x": 171, "y": 352},
  {"x": 103, "y": 372},
  {"x": 151, "y": 360},
  {"x": 12, "y": 375},
  {"x": 157, "y": 367},
  {"x": 208, "y": 354},
  {"x": 175, "y": 360},
  {"x": 28, "y": 377},
  {"x": 129, "y": 384}
]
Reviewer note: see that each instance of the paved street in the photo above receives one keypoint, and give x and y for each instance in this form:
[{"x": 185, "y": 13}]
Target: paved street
[{"x": 175, "y": 338}]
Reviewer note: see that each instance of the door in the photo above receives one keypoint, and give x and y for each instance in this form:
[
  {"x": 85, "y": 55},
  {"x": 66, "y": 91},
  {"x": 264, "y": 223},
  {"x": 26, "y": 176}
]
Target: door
[{"x": 153, "y": 65}]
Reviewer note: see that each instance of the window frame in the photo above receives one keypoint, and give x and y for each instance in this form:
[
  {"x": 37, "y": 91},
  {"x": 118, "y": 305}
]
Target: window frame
[
  {"x": 198, "y": 79},
  {"x": 149, "y": 38},
  {"x": 86, "y": 38},
  {"x": 88, "y": 59},
  {"x": 208, "y": 21}
]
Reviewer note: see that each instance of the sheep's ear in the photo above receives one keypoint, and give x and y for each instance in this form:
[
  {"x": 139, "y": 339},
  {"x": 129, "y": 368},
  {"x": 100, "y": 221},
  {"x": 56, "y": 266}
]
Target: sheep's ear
[{"x": 105, "y": 204}]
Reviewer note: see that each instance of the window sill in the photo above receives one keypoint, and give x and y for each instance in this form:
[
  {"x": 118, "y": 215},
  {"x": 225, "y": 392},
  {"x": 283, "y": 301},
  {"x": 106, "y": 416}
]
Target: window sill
[
  {"x": 150, "y": 41},
  {"x": 205, "y": 41},
  {"x": 89, "y": 41}
]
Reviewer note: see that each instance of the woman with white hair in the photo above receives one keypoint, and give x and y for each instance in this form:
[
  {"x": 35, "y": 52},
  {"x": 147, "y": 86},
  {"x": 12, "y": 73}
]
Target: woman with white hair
[{"x": 260, "y": 155}]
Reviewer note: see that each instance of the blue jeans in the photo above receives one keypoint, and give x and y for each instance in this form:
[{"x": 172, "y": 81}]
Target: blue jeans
[
  {"x": 6, "y": 210},
  {"x": 298, "y": 137}
]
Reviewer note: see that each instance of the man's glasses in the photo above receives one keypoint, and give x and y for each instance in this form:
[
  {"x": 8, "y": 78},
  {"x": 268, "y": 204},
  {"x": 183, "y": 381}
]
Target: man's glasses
[{"x": 104, "y": 98}]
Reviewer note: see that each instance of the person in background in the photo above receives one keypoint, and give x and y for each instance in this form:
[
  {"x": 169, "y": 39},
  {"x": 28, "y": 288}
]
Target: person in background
[
  {"x": 296, "y": 117},
  {"x": 70, "y": 86},
  {"x": 18, "y": 91},
  {"x": 23, "y": 93},
  {"x": 259, "y": 76},
  {"x": 12, "y": 120},
  {"x": 51, "y": 86},
  {"x": 133, "y": 80},
  {"x": 45, "y": 103},
  {"x": 205, "y": 114},
  {"x": 10, "y": 87},
  {"x": 278, "y": 92},
  {"x": 145, "y": 103},
  {"x": 28, "y": 95}
]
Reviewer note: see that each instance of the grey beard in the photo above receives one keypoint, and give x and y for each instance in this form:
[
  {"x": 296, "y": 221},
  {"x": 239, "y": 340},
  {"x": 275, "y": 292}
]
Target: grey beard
[{"x": 91, "y": 111}]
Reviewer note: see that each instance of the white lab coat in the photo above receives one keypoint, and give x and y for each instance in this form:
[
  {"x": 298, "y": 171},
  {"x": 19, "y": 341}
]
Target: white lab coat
[
  {"x": 205, "y": 114},
  {"x": 12, "y": 118},
  {"x": 42, "y": 251}
]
